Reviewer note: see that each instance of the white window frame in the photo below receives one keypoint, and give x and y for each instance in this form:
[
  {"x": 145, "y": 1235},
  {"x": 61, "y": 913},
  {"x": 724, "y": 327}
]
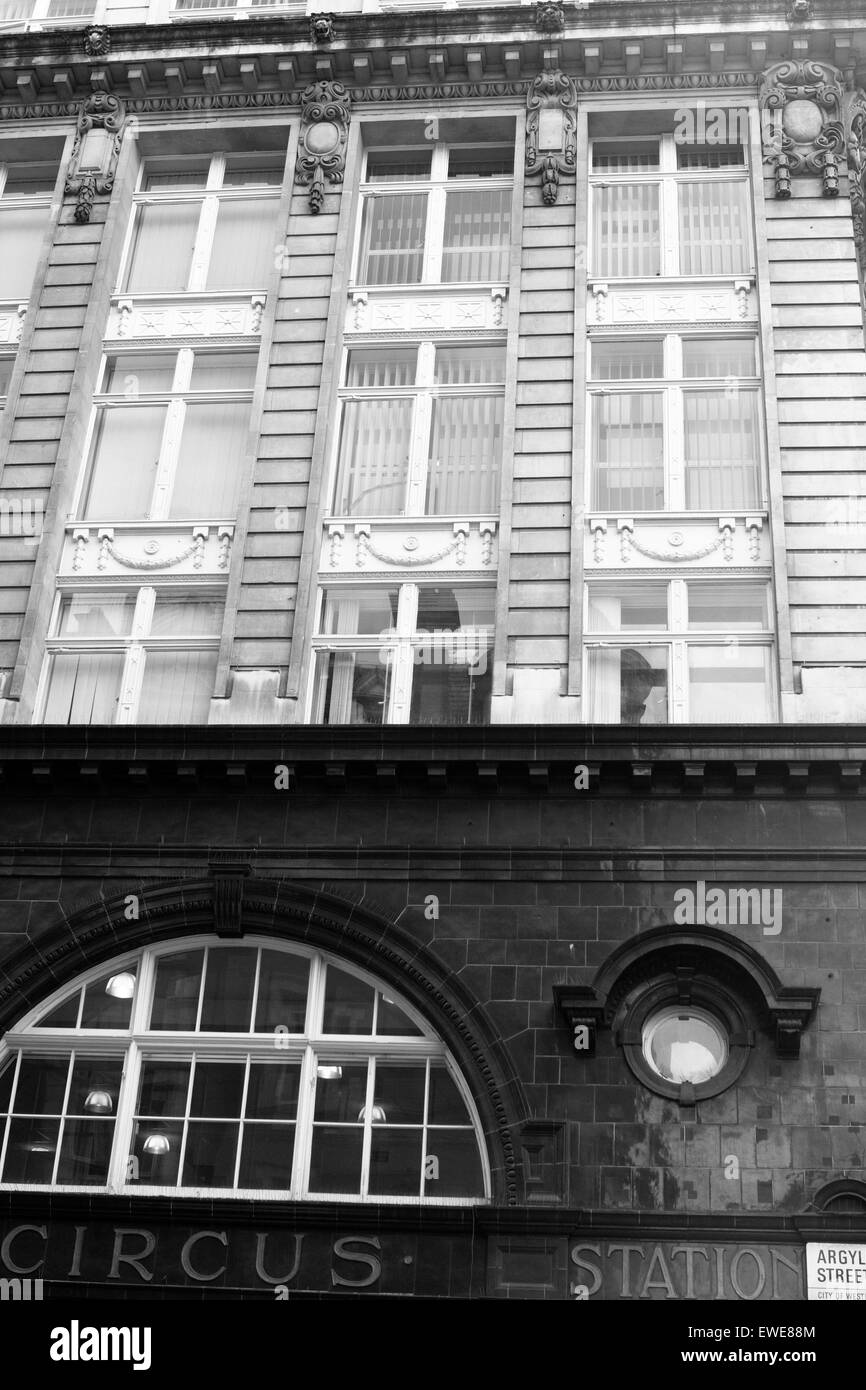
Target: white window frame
[
  {"x": 425, "y": 391},
  {"x": 672, "y": 388},
  {"x": 435, "y": 187},
  {"x": 311, "y": 1048},
  {"x": 677, "y": 637},
  {"x": 24, "y": 200},
  {"x": 400, "y": 643},
  {"x": 175, "y": 400},
  {"x": 133, "y": 645},
  {"x": 38, "y": 16},
  {"x": 667, "y": 177},
  {"x": 208, "y": 199}
]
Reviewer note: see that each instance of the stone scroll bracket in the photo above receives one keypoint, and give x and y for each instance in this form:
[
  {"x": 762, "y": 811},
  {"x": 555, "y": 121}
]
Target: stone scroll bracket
[
  {"x": 95, "y": 151},
  {"x": 857, "y": 174},
  {"x": 551, "y": 125},
  {"x": 325, "y": 110},
  {"x": 801, "y": 120}
]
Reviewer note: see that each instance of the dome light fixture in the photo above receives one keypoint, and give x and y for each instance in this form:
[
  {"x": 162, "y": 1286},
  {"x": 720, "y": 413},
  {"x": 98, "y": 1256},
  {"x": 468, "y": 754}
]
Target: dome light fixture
[
  {"x": 377, "y": 1114},
  {"x": 157, "y": 1144},
  {"x": 121, "y": 986},
  {"x": 99, "y": 1103},
  {"x": 328, "y": 1071}
]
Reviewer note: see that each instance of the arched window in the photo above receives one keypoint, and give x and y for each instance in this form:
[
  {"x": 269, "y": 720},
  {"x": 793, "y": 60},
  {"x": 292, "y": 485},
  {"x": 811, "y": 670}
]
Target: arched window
[{"x": 204, "y": 1068}]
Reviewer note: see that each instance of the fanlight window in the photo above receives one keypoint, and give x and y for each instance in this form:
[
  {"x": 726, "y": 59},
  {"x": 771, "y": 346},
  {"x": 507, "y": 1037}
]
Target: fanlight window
[{"x": 261, "y": 1070}]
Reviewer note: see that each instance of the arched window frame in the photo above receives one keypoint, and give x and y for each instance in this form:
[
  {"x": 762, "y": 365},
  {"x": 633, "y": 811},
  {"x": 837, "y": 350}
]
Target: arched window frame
[{"x": 312, "y": 1048}]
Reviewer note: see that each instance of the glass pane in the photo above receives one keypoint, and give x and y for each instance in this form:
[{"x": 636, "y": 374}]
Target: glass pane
[
  {"x": 177, "y": 687},
  {"x": 351, "y": 687},
  {"x": 374, "y": 457},
  {"x": 684, "y": 1046},
  {"x": 348, "y": 1004},
  {"x": 211, "y": 1151},
  {"x": 162, "y": 247},
  {"x": 21, "y": 233},
  {"x": 266, "y": 1157},
  {"x": 335, "y": 1162},
  {"x": 722, "y": 449},
  {"x": 211, "y": 462},
  {"x": 477, "y": 234},
  {"x": 729, "y": 684},
  {"x": 628, "y": 685},
  {"x": 244, "y": 169},
  {"x": 391, "y": 366},
  {"x": 628, "y": 451},
  {"x": 85, "y": 1151},
  {"x": 446, "y": 1106},
  {"x": 64, "y": 1015},
  {"x": 30, "y": 1150},
  {"x": 395, "y": 1162},
  {"x": 470, "y": 366},
  {"x": 453, "y": 689},
  {"x": 136, "y": 374},
  {"x": 392, "y": 239},
  {"x": 29, "y": 180},
  {"x": 217, "y": 1088},
  {"x": 456, "y": 1171},
  {"x": 228, "y": 990},
  {"x": 710, "y": 156},
  {"x": 615, "y": 607},
  {"x": 625, "y": 157},
  {"x": 392, "y": 1022},
  {"x": 272, "y": 1093},
  {"x": 41, "y": 1085},
  {"x": 283, "y": 984},
  {"x": 106, "y": 1008},
  {"x": 6, "y": 366},
  {"x": 163, "y": 1088},
  {"x": 626, "y": 230},
  {"x": 398, "y": 1094},
  {"x": 176, "y": 991},
  {"x": 243, "y": 246},
  {"x": 155, "y": 1153},
  {"x": 7, "y": 1077},
  {"x": 125, "y": 455},
  {"x": 83, "y": 688},
  {"x": 95, "y": 1086},
  {"x": 628, "y": 361},
  {"x": 186, "y": 617},
  {"x": 715, "y": 604},
  {"x": 96, "y": 615},
  {"x": 188, "y": 173},
  {"x": 714, "y": 228},
  {"x": 480, "y": 161},
  {"x": 341, "y": 1092},
  {"x": 223, "y": 371},
  {"x": 455, "y": 608},
  {"x": 714, "y": 357},
  {"x": 362, "y": 611},
  {"x": 386, "y": 165},
  {"x": 465, "y": 451}
]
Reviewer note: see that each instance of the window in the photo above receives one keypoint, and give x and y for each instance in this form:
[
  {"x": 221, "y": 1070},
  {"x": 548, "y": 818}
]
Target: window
[
  {"x": 675, "y": 424},
  {"x": 663, "y": 208},
  {"x": 669, "y": 651},
  {"x": 147, "y": 656},
  {"x": 407, "y": 654},
  {"x": 436, "y": 214},
  {"x": 421, "y": 430},
  {"x": 683, "y": 1044},
  {"x": 26, "y": 189},
  {"x": 169, "y": 436},
  {"x": 204, "y": 223},
  {"x": 51, "y": 11},
  {"x": 209, "y": 1068},
  {"x": 7, "y": 362}
]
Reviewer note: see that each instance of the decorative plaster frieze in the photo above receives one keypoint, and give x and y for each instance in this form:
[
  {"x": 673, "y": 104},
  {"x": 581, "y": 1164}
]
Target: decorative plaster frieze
[
  {"x": 410, "y": 544},
  {"x": 737, "y": 542},
  {"x": 801, "y": 107},
  {"x": 187, "y": 316},
  {"x": 148, "y": 549},
  {"x": 372, "y": 311}
]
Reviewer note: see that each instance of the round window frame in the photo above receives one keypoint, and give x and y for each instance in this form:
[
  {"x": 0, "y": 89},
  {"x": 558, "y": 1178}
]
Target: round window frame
[
  {"x": 704, "y": 995},
  {"x": 701, "y": 1015}
]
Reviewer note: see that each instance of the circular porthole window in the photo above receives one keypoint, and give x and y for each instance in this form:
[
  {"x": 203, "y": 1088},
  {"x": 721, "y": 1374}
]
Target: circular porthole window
[{"x": 684, "y": 1045}]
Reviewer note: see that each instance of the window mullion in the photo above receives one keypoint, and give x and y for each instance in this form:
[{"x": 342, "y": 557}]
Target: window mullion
[
  {"x": 167, "y": 463},
  {"x": 63, "y": 1109},
  {"x": 130, "y": 684},
  {"x": 241, "y": 1121},
  {"x": 118, "y": 1168},
  {"x": 368, "y": 1127},
  {"x": 304, "y": 1121},
  {"x": 432, "y": 272},
  {"x": 669, "y": 227},
  {"x": 675, "y": 448},
  {"x": 204, "y": 239},
  {"x": 679, "y": 683}
]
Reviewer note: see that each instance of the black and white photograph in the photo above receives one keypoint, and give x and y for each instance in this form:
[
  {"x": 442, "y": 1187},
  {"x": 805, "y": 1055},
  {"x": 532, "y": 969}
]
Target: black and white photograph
[{"x": 432, "y": 677}]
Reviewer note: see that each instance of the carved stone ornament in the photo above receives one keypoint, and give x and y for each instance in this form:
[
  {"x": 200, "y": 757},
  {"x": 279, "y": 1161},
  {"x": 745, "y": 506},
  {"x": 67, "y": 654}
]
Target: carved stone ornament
[
  {"x": 322, "y": 29},
  {"x": 857, "y": 174},
  {"x": 551, "y": 122},
  {"x": 93, "y": 161},
  {"x": 799, "y": 9},
  {"x": 801, "y": 110},
  {"x": 97, "y": 41},
  {"x": 549, "y": 18},
  {"x": 324, "y": 131}
]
